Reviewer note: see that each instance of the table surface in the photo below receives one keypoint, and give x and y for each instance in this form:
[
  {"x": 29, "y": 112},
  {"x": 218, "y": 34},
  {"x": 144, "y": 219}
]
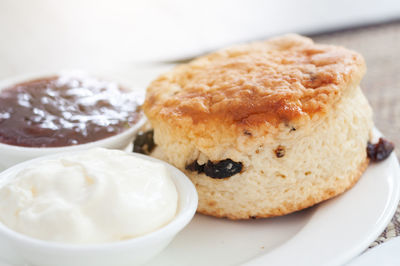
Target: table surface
[{"x": 380, "y": 46}]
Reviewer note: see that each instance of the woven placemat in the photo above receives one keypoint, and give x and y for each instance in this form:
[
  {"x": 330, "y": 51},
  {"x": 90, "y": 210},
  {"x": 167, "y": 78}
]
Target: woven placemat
[{"x": 380, "y": 46}]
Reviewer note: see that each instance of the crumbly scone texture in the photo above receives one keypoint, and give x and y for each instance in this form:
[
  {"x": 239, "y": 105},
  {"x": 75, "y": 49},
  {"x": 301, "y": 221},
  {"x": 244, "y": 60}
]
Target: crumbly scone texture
[
  {"x": 243, "y": 103},
  {"x": 321, "y": 160}
]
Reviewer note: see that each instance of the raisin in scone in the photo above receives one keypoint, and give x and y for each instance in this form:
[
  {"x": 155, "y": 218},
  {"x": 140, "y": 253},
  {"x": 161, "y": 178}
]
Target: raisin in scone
[{"x": 264, "y": 129}]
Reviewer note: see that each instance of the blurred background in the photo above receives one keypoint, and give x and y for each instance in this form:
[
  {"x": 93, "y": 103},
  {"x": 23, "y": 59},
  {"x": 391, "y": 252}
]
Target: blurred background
[
  {"x": 136, "y": 40},
  {"x": 45, "y": 35}
]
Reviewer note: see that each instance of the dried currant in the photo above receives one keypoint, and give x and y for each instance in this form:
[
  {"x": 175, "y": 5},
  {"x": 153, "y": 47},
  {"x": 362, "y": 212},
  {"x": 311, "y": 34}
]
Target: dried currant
[
  {"x": 195, "y": 167},
  {"x": 280, "y": 151},
  {"x": 222, "y": 169},
  {"x": 144, "y": 142},
  {"x": 248, "y": 133},
  {"x": 379, "y": 151}
]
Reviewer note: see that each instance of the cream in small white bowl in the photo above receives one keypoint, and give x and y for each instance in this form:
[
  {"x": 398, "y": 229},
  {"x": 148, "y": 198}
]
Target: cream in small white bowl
[
  {"x": 95, "y": 207},
  {"x": 64, "y": 111}
]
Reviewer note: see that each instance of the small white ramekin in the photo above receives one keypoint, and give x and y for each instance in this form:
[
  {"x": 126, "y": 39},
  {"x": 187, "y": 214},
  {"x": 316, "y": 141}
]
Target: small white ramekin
[
  {"x": 12, "y": 154},
  {"x": 19, "y": 249}
]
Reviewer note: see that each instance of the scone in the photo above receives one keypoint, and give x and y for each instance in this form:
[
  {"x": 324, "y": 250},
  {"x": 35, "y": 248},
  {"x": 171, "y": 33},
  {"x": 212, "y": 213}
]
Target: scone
[{"x": 264, "y": 129}]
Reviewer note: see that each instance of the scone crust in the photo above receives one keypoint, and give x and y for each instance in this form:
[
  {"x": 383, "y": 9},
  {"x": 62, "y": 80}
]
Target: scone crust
[{"x": 282, "y": 80}]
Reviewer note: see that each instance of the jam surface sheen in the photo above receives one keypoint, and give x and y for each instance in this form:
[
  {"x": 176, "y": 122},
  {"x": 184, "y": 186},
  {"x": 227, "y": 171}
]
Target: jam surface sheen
[{"x": 63, "y": 111}]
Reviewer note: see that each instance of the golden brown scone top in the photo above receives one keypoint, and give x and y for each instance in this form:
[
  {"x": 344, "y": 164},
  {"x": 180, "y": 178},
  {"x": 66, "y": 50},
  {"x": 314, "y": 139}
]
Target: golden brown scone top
[{"x": 275, "y": 81}]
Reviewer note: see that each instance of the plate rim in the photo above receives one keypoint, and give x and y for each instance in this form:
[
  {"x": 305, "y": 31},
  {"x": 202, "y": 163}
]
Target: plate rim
[{"x": 395, "y": 241}]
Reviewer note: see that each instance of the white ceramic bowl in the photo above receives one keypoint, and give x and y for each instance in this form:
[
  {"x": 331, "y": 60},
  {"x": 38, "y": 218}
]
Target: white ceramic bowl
[
  {"x": 12, "y": 154},
  {"x": 19, "y": 249}
]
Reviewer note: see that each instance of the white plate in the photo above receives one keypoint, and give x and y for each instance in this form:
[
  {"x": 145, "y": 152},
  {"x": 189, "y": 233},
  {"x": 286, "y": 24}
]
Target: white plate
[
  {"x": 329, "y": 234},
  {"x": 386, "y": 254}
]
